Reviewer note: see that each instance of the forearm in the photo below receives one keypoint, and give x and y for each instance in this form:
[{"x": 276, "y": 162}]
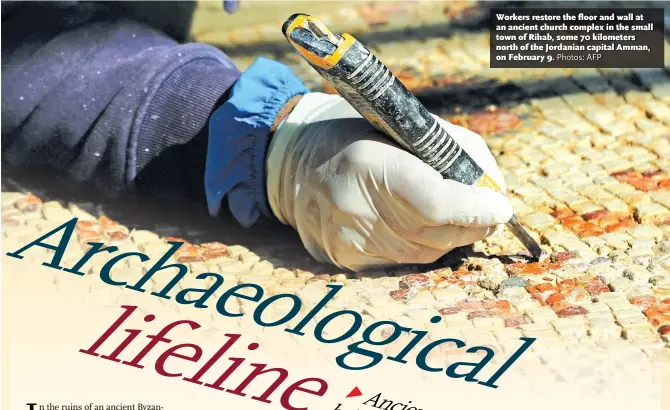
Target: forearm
[{"x": 117, "y": 105}]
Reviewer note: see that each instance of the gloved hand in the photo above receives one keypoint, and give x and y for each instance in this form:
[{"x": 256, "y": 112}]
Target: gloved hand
[{"x": 359, "y": 201}]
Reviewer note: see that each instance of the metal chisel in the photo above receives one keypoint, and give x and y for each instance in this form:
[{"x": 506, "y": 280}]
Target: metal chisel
[{"x": 376, "y": 93}]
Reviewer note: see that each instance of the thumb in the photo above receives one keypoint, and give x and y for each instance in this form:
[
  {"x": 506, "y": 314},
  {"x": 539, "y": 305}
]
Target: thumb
[
  {"x": 436, "y": 201},
  {"x": 452, "y": 203}
]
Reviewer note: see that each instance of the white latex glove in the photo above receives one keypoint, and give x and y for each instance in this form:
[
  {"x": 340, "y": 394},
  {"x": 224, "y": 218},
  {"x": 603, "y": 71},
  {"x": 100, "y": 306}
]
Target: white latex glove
[{"x": 359, "y": 201}]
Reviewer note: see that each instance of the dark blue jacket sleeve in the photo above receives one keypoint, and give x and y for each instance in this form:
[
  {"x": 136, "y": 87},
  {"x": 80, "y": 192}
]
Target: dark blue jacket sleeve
[
  {"x": 107, "y": 100},
  {"x": 103, "y": 95}
]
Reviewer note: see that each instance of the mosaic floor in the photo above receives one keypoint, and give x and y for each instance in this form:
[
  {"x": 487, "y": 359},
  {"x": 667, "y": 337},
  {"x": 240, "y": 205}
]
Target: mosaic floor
[{"x": 585, "y": 154}]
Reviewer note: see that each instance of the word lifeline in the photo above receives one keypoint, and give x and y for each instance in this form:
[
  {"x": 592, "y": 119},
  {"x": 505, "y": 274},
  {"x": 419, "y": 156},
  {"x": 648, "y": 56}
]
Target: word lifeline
[
  {"x": 200, "y": 297},
  {"x": 193, "y": 353}
]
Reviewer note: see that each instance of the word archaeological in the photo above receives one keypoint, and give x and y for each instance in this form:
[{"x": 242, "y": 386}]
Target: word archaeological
[{"x": 198, "y": 297}]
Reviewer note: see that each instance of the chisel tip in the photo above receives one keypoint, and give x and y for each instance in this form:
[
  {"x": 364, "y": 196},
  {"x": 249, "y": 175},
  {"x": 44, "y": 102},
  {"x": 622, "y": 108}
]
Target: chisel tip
[{"x": 528, "y": 241}]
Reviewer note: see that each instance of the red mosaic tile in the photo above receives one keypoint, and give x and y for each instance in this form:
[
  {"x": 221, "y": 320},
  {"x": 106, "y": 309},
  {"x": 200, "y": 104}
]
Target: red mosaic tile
[
  {"x": 478, "y": 313},
  {"x": 623, "y": 224},
  {"x": 117, "y": 235},
  {"x": 658, "y": 308},
  {"x": 534, "y": 268},
  {"x": 546, "y": 288},
  {"x": 591, "y": 232},
  {"x": 106, "y": 222},
  {"x": 562, "y": 213},
  {"x": 623, "y": 175},
  {"x": 570, "y": 220},
  {"x": 658, "y": 314},
  {"x": 488, "y": 122},
  {"x": 560, "y": 257},
  {"x": 462, "y": 273},
  {"x": 449, "y": 311},
  {"x": 577, "y": 295},
  {"x": 596, "y": 287},
  {"x": 516, "y": 321},
  {"x": 571, "y": 311},
  {"x": 478, "y": 308},
  {"x": 214, "y": 250},
  {"x": 89, "y": 236},
  {"x": 594, "y": 223},
  {"x": 567, "y": 284},
  {"x": 502, "y": 305},
  {"x": 506, "y": 120},
  {"x": 607, "y": 221},
  {"x": 566, "y": 292},
  {"x": 658, "y": 174},
  {"x": 601, "y": 213},
  {"x": 658, "y": 319},
  {"x": 87, "y": 231},
  {"x": 86, "y": 225},
  {"x": 455, "y": 281},
  {"x": 644, "y": 184},
  {"x": 31, "y": 203},
  {"x": 188, "y": 253},
  {"x": 320, "y": 277},
  {"x": 647, "y": 181},
  {"x": 471, "y": 305},
  {"x": 532, "y": 289},
  {"x": 400, "y": 294},
  {"x": 554, "y": 298},
  {"x": 560, "y": 304},
  {"x": 645, "y": 301},
  {"x": 10, "y": 221},
  {"x": 415, "y": 280},
  {"x": 581, "y": 227},
  {"x": 499, "y": 313},
  {"x": 378, "y": 14}
]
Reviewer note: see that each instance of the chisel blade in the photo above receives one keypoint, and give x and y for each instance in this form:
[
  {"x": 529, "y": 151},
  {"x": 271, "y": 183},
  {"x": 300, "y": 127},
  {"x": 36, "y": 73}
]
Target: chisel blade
[{"x": 528, "y": 241}]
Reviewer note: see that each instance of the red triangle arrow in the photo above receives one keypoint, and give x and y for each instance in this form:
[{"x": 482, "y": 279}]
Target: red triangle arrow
[{"x": 355, "y": 393}]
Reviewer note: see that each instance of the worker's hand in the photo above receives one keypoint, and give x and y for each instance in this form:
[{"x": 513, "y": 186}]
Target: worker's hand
[{"x": 358, "y": 200}]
